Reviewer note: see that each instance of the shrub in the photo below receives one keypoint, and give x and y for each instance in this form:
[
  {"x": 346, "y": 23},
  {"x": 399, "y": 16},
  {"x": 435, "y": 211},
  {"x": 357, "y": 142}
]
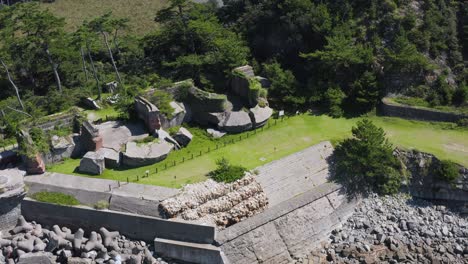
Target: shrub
[
  {"x": 365, "y": 162},
  {"x": 225, "y": 172},
  {"x": 162, "y": 100},
  {"x": 101, "y": 205},
  {"x": 447, "y": 171},
  {"x": 463, "y": 122},
  {"x": 173, "y": 130},
  {"x": 55, "y": 198}
]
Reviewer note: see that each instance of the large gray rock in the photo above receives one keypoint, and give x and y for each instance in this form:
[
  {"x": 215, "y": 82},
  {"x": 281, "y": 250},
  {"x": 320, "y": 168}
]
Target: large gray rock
[
  {"x": 37, "y": 258},
  {"x": 111, "y": 157},
  {"x": 137, "y": 155},
  {"x": 177, "y": 118},
  {"x": 90, "y": 103},
  {"x": 260, "y": 115},
  {"x": 215, "y": 133},
  {"x": 236, "y": 122},
  {"x": 61, "y": 148},
  {"x": 92, "y": 163},
  {"x": 183, "y": 137}
]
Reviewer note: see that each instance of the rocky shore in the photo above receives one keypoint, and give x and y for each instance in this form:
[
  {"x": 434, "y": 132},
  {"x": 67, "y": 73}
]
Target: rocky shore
[
  {"x": 30, "y": 243},
  {"x": 397, "y": 230}
]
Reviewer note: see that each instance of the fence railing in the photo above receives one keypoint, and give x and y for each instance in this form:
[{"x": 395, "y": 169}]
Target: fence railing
[{"x": 165, "y": 165}]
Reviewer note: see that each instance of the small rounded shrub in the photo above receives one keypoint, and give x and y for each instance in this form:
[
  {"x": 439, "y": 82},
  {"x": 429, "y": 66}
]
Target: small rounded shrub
[{"x": 447, "y": 171}]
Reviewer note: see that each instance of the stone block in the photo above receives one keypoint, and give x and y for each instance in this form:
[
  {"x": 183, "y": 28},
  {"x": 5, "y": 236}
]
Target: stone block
[
  {"x": 260, "y": 115},
  {"x": 188, "y": 252},
  {"x": 183, "y": 137},
  {"x": 111, "y": 157},
  {"x": 236, "y": 122},
  {"x": 92, "y": 163},
  {"x": 37, "y": 258},
  {"x": 90, "y": 103}
]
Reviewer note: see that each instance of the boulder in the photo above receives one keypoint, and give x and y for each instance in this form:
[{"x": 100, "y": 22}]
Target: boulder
[
  {"x": 92, "y": 163},
  {"x": 236, "y": 122},
  {"x": 263, "y": 81},
  {"x": 111, "y": 157},
  {"x": 183, "y": 137},
  {"x": 163, "y": 135},
  {"x": 215, "y": 133},
  {"x": 260, "y": 115},
  {"x": 90, "y": 103},
  {"x": 137, "y": 155},
  {"x": 35, "y": 164},
  {"x": 37, "y": 258},
  {"x": 177, "y": 118},
  {"x": 61, "y": 148},
  {"x": 72, "y": 260},
  {"x": 111, "y": 87}
]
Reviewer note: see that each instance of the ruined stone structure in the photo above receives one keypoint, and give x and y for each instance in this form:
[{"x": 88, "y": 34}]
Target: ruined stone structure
[
  {"x": 11, "y": 194},
  {"x": 141, "y": 155},
  {"x": 424, "y": 183},
  {"x": 148, "y": 112},
  {"x": 32, "y": 159},
  {"x": 90, "y": 138},
  {"x": 389, "y": 108},
  {"x": 177, "y": 118},
  {"x": 61, "y": 148}
]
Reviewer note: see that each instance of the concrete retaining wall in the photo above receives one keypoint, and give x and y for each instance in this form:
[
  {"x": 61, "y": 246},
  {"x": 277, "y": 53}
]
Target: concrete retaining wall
[
  {"x": 133, "y": 226},
  {"x": 290, "y": 229},
  {"x": 391, "y": 109}
]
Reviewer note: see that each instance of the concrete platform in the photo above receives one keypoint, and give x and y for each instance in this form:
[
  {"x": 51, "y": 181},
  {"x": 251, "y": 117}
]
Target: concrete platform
[
  {"x": 189, "y": 252},
  {"x": 295, "y": 174}
]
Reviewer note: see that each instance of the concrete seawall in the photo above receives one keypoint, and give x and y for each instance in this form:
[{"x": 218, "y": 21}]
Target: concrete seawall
[
  {"x": 389, "y": 108},
  {"x": 288, "y": 230},
  {"x": 131, "y": 225}
]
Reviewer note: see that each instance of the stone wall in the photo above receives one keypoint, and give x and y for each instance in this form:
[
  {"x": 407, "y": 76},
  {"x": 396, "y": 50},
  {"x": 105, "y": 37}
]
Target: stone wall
[
  {"x": 288, "y": 230},
  {"x": 147, "y": 112},
  {"x": 388, "y": 108},
  {"x": 133, "y": 226},
  {"x": 59, "y": 121},
  {"x": 424, "y": 182},
  {"x": 90, "y": 139}
]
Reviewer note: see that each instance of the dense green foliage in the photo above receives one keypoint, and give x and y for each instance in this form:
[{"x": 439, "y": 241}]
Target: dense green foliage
[
  {"x": 365, "y": 162},
  {"x": 341, "y": 55},
  {"x": 447, "y": 171},
  {"x": 226, "y": 172},
  {"x": 55, "y": 198}
]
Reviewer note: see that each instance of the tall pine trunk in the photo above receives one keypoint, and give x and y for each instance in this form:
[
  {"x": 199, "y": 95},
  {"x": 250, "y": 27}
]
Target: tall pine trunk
[
  {"x": 93, "y": 68},
  {"x": 10, "y": 79},
  {"x": 54, "y": 68},
  {"x": 83, "y": 61},
  {"x": 106, "y": 40}
]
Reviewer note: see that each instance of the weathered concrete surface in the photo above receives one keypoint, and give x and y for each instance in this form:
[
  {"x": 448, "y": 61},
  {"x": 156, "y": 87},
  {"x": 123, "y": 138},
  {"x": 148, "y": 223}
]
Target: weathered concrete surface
[
  {"x": 129, "y": 197},
  {"x": 92, "y": 163},
  {"x": 289, "y": 230},
  {"x": 260, "y": 115},
  {"x": 111, "y": 157},
  {"x": 11, "y": 194},
  {"x": 147, "y": 112},
  {"x": 236, "y": 122},
  {"x": 131, "y": 225},
  {"x": 140, "y": 155},
  {"x": 295, "y": 174},
  {"x": 190, "y": 252},
  {"x": 115, "y": 134},
  {"x": 178, "y": 116}
]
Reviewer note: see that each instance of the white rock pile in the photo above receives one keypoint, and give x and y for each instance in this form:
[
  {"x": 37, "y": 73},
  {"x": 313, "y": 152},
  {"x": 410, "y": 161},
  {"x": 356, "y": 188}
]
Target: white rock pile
[
  {"x": 397, "y": 230},
  {"x": 221, "y": 204},
  {"x": 29, "y": 243}
]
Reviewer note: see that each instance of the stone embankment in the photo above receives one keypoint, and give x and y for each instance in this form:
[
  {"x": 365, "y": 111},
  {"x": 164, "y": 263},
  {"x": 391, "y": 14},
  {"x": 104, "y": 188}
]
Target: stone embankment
[
  {"x": 220, "y": 204},
  {"x": 397, "y": 230}
]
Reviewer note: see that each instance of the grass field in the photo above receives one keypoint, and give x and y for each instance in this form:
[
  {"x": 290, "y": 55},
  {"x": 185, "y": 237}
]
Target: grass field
[
  {"x": 287, "y": 137},
  {"x": 141, "y": 13}
]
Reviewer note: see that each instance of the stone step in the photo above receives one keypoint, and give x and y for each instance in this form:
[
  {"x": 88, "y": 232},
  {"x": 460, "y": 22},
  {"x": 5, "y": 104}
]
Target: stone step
[{"x": 189, "y": 252}]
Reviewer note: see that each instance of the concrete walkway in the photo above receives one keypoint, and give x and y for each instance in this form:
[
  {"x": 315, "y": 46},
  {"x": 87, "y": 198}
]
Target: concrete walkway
[
  {"x": 295, "y": 174},
  {"x": 125, "y": 197}
]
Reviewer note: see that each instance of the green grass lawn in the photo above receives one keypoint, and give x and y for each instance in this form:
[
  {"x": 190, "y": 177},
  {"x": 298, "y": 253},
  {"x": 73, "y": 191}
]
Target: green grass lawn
[
  {"x": 141, "y": 13},
  {"x": 287, "y": 137}
]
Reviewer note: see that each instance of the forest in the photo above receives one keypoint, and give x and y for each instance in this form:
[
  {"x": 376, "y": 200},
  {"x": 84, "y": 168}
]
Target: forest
[{"x": 341, "y": 56}]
